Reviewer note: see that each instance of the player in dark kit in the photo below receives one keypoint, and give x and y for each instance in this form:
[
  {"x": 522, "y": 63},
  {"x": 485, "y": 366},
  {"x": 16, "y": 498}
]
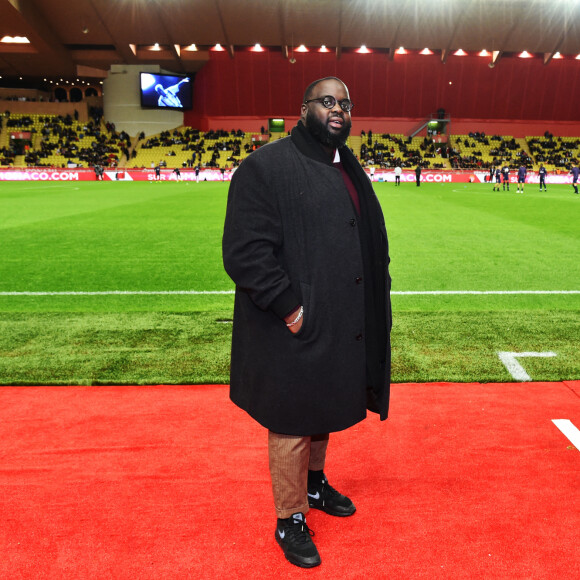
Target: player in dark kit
[
  {"x": 505, "y": 172},
  {"x": 542, "y": 172},
  {"x": 575, "y": 172},
  {"x": 521, "y": 177},
  {"x": 497, "y": 179}
]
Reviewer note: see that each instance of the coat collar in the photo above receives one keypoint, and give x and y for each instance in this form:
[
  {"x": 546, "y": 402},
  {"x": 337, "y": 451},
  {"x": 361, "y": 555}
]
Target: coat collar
[{"x": 308, "y": 145}]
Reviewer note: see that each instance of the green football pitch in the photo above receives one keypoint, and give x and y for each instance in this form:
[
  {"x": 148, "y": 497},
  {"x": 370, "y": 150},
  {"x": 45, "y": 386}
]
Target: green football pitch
[{"x": 123, "y": 283}]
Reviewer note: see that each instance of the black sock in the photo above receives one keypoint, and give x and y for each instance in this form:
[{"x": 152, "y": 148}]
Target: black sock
[{"x": 315, "y": 477}]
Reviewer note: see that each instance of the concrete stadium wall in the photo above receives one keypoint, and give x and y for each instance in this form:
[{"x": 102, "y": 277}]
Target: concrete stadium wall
[{"x": 122, "y": 103}]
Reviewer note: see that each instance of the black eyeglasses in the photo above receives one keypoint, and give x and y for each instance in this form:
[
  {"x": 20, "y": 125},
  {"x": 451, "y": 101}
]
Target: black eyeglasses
[{"x": 329, "y": 101}]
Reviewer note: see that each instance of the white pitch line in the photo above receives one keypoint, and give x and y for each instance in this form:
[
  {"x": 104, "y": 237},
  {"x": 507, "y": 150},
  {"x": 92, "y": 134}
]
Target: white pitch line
[
  {"x": 569, "y": 430},
  {"x": 515, "y": 369},
  {"x": 225, "y": 292},
  {"x": 481, "y": 292},
  {"x": 120, "y": 293}
]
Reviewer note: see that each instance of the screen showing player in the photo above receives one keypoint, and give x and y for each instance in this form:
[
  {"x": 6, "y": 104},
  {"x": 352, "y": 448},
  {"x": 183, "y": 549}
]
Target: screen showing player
[{"x": 164, "y": 91}]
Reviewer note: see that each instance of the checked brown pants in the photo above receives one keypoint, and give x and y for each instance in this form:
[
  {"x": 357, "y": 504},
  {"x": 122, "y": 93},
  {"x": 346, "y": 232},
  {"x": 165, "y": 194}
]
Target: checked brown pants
[{"x": 290, "y": 458}]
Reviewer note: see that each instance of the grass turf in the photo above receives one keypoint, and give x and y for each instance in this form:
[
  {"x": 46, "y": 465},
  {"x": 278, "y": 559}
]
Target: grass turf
[{"x": 101, "y": 236}]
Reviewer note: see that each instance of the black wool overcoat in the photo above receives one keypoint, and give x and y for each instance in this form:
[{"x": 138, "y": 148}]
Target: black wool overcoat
[{"x": 293, "y": 236}]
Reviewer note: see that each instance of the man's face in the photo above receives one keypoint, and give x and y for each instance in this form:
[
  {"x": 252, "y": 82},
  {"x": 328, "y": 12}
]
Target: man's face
[{"x": 329, "y": 126}]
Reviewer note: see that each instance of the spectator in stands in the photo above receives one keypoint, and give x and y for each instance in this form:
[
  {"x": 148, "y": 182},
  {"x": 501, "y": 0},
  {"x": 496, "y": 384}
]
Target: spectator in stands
[{"x": 306, "y": 276}]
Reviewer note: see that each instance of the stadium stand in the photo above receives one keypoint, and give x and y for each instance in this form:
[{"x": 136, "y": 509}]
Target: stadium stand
[
  {"x": 556, "y": 153},
  {"x": 477, "y": 151},
  {"x": 59, "y": 141},
  {"x": 388, "y": 150},
  {"x": 186, "y": 147}
]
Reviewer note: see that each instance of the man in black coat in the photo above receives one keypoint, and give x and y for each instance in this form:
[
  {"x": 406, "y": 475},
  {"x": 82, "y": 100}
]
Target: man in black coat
[{"x": 306, "y": 245}]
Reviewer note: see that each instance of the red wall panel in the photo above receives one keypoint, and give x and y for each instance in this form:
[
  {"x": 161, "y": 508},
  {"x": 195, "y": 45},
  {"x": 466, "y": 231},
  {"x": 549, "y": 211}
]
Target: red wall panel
[{"x": 268, "y": 85}]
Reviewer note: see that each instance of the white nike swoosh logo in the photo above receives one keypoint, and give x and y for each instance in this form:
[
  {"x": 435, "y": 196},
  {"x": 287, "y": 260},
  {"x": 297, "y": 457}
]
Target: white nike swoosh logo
[
  {"x": 282, "y": 534},
  {"x": 314, "y": 495}
]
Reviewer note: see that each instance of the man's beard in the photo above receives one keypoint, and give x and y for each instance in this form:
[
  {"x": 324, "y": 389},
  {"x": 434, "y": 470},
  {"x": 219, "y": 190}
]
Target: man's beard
[{"x": 321, "y": 133}]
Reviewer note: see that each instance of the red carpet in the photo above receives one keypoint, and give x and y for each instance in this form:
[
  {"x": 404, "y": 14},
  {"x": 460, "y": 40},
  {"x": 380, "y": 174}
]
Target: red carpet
[{"x": 464, "y": 481}]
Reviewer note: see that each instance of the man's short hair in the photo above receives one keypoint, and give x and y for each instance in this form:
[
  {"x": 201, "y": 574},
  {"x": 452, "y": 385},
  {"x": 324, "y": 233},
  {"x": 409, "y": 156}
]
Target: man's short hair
[{"x": 310, "y": 87}]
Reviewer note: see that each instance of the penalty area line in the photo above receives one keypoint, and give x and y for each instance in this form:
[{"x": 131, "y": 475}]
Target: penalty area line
[
  {"x": 121, "y": 293},
  {"x": 569, "y": 430},
  {"x": 227, "y": 292},
  {"x": 480, "y": 292}
]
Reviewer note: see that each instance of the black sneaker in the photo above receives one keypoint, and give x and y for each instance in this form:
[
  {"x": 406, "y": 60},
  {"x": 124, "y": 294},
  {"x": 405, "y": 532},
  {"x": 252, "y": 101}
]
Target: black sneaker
[
  {"x": 294, "y": 537},
  {"x": 322, "y": 496}
]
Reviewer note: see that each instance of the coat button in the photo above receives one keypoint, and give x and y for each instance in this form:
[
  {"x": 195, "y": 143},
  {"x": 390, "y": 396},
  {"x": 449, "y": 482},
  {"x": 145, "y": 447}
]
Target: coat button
[
  {"x": 359, "y": 337},
  {"x": 358, "y": 280},
  {"x": 352, "y": 222}
]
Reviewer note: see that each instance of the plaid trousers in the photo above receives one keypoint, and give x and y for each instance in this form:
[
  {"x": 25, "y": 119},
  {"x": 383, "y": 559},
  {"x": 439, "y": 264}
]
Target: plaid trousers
[{"x": 290, "y": 457}]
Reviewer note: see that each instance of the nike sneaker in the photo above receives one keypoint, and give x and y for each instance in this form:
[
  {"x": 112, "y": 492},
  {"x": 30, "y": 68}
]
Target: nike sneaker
[
  {"x": 322, "y": 496},
  {"x": 295, "y": 539}
]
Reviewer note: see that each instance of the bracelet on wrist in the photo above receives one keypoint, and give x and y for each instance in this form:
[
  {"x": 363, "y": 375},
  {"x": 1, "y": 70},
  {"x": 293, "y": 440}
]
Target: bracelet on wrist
[{"x": 297, "y": 319}]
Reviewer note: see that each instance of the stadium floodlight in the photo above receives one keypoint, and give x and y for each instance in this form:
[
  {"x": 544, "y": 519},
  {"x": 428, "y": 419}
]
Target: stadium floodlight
[
  {"x": 14, "y": 40},
  {"x": 363, "y": 50},
  {"x": 426, "y": 51},
  {"x": 218, "y": 48},
  {"x": 191, "y": 48},
  {"x": 323, "y": 49},
  {"x": 257, "y": 48},
  {"x": 483, "y": 53},
  {"x": 460, "y": 52},
  {"x": 525, "y": 54},
  {"x": 557, "y": 55},
  {"x": 301, "y": 48},
  {"x": 400, "y": 50}
]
